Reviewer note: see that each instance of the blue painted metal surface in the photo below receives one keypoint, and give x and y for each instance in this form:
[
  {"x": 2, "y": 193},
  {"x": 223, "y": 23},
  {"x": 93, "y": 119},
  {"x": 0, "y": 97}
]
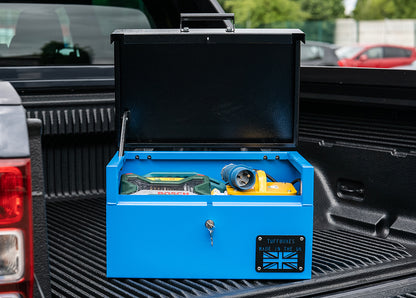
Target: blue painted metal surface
[{"x": 164, "y": 236}]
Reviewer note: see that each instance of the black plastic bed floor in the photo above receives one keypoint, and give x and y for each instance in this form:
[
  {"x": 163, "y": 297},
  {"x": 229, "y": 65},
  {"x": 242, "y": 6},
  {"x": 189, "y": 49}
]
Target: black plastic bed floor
[{"x": 77, "y": 248}]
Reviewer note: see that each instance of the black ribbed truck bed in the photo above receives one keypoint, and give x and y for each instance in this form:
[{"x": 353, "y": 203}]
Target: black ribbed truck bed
[
  {"x": 76, "y": 231},
  {"x": 360, "y": 138}
]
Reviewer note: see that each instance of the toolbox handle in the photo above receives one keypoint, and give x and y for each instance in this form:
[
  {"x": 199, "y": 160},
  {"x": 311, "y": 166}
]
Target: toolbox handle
[{"x": 207, "y": 17}]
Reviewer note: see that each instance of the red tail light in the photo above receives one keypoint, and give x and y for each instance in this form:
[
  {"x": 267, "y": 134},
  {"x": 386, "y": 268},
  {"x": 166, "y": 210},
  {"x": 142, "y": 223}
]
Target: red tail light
[
  {"x": 16, "y": 228},
  {"x": 340, "y": 63},
  {"x": 11, "y": 194}
]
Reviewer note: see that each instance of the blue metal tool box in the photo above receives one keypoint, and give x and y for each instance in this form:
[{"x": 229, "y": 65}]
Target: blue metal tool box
[{"x": 195, "y": 100}]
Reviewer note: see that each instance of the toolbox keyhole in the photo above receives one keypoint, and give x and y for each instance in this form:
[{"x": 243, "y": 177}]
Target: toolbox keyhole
[{"x": 209, "y": 224}]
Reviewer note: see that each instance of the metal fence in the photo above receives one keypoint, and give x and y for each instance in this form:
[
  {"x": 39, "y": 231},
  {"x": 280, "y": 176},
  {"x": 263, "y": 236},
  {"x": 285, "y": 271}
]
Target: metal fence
[
  {"x": 315, "y": 30},
  {"x": 350, "y": 31}
]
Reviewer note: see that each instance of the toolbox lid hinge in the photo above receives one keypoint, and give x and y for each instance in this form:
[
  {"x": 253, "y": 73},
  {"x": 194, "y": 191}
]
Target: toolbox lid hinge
[{"x": 123, "y": 133}]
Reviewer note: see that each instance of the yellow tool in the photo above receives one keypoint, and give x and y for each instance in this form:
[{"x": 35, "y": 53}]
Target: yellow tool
[{"x": 264, "y": 188}]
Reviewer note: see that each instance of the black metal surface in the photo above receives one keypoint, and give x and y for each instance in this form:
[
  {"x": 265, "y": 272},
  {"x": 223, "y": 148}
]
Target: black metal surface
[
  {"x": 78, "y": 261},
  {"x": 162, "y": 68}
]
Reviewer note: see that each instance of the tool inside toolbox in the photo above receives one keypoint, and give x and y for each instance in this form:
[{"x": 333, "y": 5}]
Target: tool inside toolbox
[{"x": 237, "y": 180}]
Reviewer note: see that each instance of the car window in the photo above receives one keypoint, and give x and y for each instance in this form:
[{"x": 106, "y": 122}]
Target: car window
[
  {"x": 348, "y": 52},
  {"x": 374, "y": 53},
  {"x": 406, "y": 53},
  {"x": 391, "y": 52},
  {"x": 309, "y": 53},
  {"x": 61, "y": 34}
]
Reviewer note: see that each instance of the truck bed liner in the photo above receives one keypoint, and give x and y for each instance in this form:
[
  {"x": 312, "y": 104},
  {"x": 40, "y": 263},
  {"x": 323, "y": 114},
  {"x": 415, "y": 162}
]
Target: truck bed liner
[{"x": 341, "y": 259}]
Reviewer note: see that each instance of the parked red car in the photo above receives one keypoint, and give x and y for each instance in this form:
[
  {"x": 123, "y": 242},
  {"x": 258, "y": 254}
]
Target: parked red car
[{"x": 379, "y": 56}]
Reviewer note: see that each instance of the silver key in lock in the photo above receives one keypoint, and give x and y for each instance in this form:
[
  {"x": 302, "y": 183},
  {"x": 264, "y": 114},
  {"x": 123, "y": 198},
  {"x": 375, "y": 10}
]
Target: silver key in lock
[{"x": 209, "y": 224}]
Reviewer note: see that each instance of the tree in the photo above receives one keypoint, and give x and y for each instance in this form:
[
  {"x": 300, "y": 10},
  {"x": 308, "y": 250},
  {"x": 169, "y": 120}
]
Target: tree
[
  {"x": 319, "y": 10},
  {"x": 405, "y": 9},
  {"x": 373, "y": 9},
  {"x": 382, "y": 9},
  {"x": 257, "y": 13}
]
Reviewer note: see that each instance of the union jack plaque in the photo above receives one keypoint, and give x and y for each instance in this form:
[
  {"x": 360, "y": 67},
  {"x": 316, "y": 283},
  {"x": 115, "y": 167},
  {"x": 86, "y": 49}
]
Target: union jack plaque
[{"x": 280, "y": 253}]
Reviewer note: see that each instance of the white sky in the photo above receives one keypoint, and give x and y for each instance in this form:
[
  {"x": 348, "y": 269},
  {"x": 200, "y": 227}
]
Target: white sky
[{"x": 349, "y": 6}]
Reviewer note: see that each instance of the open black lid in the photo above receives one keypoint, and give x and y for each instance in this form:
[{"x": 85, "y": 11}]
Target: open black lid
[{"x": 208, "y": 88}]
